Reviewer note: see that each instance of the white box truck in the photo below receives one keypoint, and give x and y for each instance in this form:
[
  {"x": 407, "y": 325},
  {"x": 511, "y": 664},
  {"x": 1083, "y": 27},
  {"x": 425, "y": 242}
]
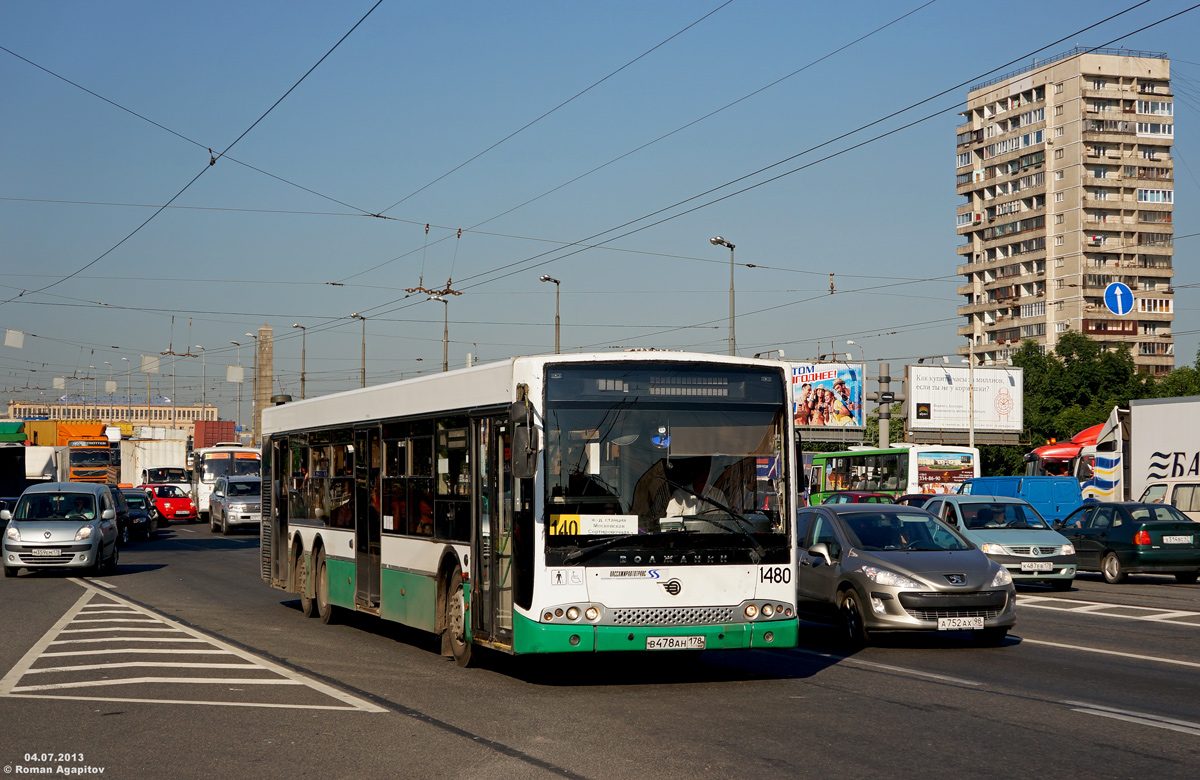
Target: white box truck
[{"x": 146, "y": 461}]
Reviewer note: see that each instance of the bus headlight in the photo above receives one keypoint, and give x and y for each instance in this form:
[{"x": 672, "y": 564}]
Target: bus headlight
[
  {"x": 592, "y": 613},
  {"x": 573, "y": 613},
  {"x": 751, "y": 611},
  {"x": 767, "y": 610}
]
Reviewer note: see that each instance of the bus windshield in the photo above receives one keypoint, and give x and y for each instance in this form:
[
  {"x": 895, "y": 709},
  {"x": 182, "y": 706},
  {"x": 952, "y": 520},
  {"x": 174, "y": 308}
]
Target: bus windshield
[
  {"x": 644, "y": 453},
  {"x": 229, "y": 464}
]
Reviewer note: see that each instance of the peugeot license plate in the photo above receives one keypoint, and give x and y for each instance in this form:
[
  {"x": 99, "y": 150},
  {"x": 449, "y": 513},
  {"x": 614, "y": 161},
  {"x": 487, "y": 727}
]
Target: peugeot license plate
[
  {"x": 49, "y": 552},
  {"x": 680, "y": 642},
  {"x": 960, "y": 623},
  {"x": 1177, "y": 540},
  {"x": 1037, "y": 566}
]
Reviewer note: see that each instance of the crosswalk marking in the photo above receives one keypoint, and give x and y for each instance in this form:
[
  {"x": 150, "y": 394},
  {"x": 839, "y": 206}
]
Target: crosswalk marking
[{"x": 123, "y": 630}]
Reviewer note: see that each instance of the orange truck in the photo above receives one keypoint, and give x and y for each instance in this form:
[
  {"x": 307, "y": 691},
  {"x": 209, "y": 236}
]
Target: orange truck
[{"x": 89, "y": 454}]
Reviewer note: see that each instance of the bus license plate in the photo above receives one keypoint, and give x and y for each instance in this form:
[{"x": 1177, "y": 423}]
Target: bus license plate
[
  {"x": 49, "y": 552},
  {"x": 1037, "y": 566},
  {"x": 1177, "y": 540},
  {"x": 680, "y": 642},
  {"x": 960, "y": 623}
]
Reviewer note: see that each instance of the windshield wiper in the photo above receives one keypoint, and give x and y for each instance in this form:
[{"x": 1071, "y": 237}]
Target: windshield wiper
[{"x": 587, "y": 552}]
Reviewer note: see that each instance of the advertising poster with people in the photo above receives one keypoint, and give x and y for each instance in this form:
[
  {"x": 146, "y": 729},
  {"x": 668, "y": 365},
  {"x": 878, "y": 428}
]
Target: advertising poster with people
[{"x": 828, "y": 395}]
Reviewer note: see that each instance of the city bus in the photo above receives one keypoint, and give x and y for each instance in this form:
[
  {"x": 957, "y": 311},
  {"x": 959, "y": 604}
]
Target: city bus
[
  {"x": 633, "y": 501},
  {"x": 224, "y": 459},
  {"x": 900, "y": 469}
]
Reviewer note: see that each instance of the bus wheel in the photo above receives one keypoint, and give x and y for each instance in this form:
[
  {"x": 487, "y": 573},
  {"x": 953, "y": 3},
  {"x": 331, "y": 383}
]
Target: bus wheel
[
  {"x": 307, "y": 606},
  {"x": 327, "y": 611},
  {"x": 455, "y": 636}
]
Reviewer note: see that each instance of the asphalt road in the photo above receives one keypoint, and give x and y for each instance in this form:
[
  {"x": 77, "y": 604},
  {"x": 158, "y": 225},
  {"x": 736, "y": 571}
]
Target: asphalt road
[{"x": 1098, "y": 682}]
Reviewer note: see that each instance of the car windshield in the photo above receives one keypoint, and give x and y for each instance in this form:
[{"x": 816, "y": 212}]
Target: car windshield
[
  {"x": 913, "y": 531},
  {"x": 1143, "y": 514},
  {"x": 166, "y": 475},
  {"x": 136, "y": 500},
  {"x": 169, "y": 491},
  {"x": 980, "y": 516},
  {"x": 245, "y": 488},
  {"x": 56, "y": 506}
]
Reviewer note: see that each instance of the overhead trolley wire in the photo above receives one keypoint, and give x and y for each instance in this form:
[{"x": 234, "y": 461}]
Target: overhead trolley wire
[{"x": 212, "y": 162}]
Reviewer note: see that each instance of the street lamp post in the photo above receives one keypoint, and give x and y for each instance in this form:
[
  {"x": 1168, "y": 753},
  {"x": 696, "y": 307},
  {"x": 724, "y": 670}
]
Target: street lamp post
[
  {"x": 718, "y": 241},
  {"x": 254, "y": 398},
  {"x": 445, "y": 331},
  {"x": 971, "y": 392},
  {"x": 557, "y": 288},
  {"x": 860, "y": 349},
  {"x": 239, "y": 384},
  {"x": 92, "y": 372},
  {"x": 303, "y": 339},
  {"x": 129, "y": 392},
  {"x": 110, "y": 397},
  {"x": 363, "y": 370},
  {"x": 203, "y": 380}
]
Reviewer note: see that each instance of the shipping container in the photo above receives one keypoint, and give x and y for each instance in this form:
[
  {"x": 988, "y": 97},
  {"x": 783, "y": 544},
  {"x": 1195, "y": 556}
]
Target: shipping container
[{"x": 212, "y": 432}]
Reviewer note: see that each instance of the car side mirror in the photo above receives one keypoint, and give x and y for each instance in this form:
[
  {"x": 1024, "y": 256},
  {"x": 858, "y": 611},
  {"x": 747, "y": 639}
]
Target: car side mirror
[
  {"x": 5, "y": 515},
  {"x": 821, "y": 550},
  {"x": 108, "y": 514}
]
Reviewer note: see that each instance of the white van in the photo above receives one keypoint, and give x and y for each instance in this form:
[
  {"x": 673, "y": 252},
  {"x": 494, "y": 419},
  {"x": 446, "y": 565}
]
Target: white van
[{"x": 1183, "y": 493}]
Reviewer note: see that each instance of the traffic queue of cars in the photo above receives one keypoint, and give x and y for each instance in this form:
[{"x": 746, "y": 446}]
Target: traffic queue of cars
[
  {"x": 83, "y": 525},
  {"x": 870, "y": 567}
]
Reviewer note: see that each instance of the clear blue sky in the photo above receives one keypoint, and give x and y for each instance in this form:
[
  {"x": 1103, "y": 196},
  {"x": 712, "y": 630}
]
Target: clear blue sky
[{"x": 423, "y": 114}]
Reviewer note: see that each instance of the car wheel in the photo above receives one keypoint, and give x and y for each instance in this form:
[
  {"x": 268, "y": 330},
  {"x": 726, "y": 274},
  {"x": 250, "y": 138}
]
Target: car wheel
[
  {"x": 153, "y": 529},
  {"x": 114, "y": 559},
  {"x": 991, "y": 637},
  {"x": 125, "y": 535},
  {"x": 1061, "y": 585},
  {"x": 224, "y": 524},
  {"x": 212, "y": 523},
  {"x": 854, "y": 629},
  {"x": 11, "y": 571},
  {"x": 1113, "y": 572},
  {"x": 454, "y": 640},
  {"x": 1187, "y": 577},
  {"x": 328, "y": 612}
]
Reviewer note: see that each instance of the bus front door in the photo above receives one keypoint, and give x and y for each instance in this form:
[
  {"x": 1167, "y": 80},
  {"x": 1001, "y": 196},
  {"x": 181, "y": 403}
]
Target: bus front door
[
  {"x": 367, "y": 520},
  {"x": 492, "y": 575}
]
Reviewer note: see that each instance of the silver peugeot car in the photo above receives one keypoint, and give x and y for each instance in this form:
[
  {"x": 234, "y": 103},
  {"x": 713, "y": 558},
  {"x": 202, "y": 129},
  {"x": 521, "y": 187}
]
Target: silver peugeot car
[
  {"x": 62, "y": 525},
  {"x": 880, "y": 567}
]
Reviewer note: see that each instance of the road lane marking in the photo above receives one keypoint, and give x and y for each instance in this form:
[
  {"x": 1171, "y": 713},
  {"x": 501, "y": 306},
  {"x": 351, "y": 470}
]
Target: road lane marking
[
  {"x": 887, "y": 667},
  {"x": 1101, "y": 608},
  {"x": 1134, "y": 656},
  {"x": 1141, "y": 718},
  {"x": 52, "y": 645}
]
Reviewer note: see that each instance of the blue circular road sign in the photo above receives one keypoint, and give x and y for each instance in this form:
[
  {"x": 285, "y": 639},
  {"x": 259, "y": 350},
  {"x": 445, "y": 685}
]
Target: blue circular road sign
[{"x": 1118, "y": 298}]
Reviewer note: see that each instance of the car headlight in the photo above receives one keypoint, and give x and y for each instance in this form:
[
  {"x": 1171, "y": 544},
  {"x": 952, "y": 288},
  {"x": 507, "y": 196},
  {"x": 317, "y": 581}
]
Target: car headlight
[
  {"x": 889, "y": 578},
  {"x": 237, "y": 508},
  {"x": 84, "y": 533},
  {"x": 991, "y": 548},
  {"x": 1002, "y": 578},
  {"x": 1068, "y": 549},
  {"x": 13, "y": 534}
]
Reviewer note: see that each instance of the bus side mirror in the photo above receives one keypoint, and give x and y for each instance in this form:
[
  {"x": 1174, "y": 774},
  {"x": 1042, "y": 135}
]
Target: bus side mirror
[{"x": 524, "y": 451}]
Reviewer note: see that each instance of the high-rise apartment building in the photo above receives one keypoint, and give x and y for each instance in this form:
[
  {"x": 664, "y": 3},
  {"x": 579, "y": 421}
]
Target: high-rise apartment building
[{"x": 1068, "y": 180}]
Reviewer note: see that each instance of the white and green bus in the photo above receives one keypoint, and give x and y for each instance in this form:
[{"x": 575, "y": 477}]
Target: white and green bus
[{"x": 552, "y": 504}]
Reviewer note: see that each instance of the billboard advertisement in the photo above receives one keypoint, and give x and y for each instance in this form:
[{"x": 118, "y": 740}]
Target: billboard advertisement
[
  {"x": 828, "y": 395},
  {"x": 939, "y": 399}
]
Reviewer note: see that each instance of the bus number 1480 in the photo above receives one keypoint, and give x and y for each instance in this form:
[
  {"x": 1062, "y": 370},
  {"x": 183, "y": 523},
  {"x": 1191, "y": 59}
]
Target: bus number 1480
[{"x": 777, "y": 574}]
